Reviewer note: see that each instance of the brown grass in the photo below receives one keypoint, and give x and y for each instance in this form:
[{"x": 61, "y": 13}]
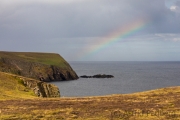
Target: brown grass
[
  {"x": 16, "y": 103},
  {"x": 162, "y": 104}
]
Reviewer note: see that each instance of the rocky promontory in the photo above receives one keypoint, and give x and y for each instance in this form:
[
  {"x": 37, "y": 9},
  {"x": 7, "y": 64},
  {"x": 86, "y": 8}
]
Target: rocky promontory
[{"x": 40, "y": 66}]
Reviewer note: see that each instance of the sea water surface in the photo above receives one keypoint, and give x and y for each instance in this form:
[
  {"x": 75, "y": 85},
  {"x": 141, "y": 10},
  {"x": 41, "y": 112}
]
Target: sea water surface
[{"x": 129, "y": 77}]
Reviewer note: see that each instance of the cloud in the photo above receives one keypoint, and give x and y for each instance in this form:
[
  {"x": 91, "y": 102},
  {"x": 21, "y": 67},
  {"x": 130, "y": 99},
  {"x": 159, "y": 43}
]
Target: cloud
[
  {"x": 58, "y": 25},
  {"x": 169, "y": 37},
  {"x": 178, "y": 3},
  {"x": 176, "y": 7},
  {"x": 16, "y": 2},
  {"x": 90, "y": 18}
]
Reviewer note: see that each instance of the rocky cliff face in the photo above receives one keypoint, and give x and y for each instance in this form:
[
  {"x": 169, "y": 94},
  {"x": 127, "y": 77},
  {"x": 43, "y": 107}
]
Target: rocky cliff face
[{"x": 41, "y": 66}]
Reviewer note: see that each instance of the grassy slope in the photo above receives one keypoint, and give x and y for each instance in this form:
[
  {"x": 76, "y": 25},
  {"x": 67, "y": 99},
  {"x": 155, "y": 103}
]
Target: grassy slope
[
  {"x": 44, "y": 58},
  {"x": 12, "y": 87},
  {"x": 17, "y": 103}
]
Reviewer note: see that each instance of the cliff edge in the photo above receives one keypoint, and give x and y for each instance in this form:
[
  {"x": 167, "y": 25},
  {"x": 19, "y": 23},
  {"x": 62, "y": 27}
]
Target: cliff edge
[
  {"x": 40, "y": 66},
  {"x": 18, "y": 87}
]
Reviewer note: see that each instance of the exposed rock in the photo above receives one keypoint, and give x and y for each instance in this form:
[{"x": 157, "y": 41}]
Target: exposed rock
[
  {"x": 85, "y": 76},
  {"x": 103, "y": 76},
  {"x": 15, "y": 86},
  {"x": 41, "y": 89},
  {"x": 41, "y": 66},
  {"x": 98, "y": 76}
]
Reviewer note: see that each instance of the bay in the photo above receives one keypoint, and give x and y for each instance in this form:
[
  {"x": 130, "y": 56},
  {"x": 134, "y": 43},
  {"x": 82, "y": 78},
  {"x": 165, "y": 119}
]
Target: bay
[{"x": 129, "y": 77}]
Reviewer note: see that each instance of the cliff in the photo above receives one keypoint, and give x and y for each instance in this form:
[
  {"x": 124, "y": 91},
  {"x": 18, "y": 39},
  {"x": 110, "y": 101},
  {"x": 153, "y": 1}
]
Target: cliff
[
  {"x": 17, "y": 87},
  {"x": 40, "y": 66},
  {"x": 41, "y": 89}
]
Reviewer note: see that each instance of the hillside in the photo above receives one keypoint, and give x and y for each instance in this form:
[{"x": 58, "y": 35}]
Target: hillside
[
  {"x": 12, "y": 87},
  {"x": 18, "y": 101},
  {"x": 22, "y": 97},
  {"x": 160, "y": 104},
  {"x": 41, "y": 66},
  {"x": 18, "y": 87}
]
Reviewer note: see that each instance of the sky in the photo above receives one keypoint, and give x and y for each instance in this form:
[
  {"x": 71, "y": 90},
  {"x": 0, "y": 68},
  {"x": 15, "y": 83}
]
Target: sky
[{"x": 93, "y": 30}]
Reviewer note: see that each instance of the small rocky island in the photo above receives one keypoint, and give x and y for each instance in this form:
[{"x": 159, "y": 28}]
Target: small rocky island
[{"x": 97, "y": 76}]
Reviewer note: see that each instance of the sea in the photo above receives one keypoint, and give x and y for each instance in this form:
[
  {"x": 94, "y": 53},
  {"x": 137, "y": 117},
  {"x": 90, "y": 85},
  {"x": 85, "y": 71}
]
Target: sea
[{"x": 129, "y": 77}]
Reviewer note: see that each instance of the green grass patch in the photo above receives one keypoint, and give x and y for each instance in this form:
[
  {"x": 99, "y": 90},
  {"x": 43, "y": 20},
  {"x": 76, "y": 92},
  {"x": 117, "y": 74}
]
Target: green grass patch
[
  {"x": 43, "y": 58},
  {"x": 13, "y": 88}
]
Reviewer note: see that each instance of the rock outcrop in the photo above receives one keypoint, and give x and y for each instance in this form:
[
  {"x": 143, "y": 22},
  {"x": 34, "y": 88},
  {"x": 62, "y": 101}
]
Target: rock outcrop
[
  {"x": 41, "y": 89},
  {"x": 15, "y": 86},
  {"x": 41, "y": 66},
  {"x": 97, "y": 76}
]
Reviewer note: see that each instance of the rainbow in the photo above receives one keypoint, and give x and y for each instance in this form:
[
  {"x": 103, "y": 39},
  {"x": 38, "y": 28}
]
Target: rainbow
[{"x": 117, "y": 35}]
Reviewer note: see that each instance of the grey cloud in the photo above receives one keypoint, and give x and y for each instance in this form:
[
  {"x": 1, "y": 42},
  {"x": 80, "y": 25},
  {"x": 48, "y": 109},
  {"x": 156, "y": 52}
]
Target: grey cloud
[
  {"x": 82, "y": 19},
  {"x": 177, "y": 3},
  {"x": 68, "y": 25}
]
